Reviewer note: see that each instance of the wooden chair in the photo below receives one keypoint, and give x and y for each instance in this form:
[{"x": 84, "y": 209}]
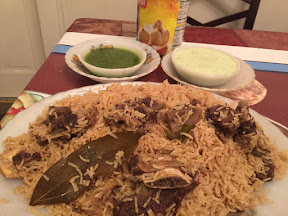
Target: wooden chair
[{"x": 249, "y": 14}]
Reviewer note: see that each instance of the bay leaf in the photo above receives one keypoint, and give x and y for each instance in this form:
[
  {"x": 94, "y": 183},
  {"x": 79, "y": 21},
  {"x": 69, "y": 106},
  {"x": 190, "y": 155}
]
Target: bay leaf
[{"x": 55, "y": 187}]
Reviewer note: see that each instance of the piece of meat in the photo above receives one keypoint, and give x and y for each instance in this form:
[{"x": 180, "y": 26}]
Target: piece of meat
[
  {"x": 146, "y": 101},
  {"x": 259, "y": 152},
  {"x": 149, "y": 107},
  {"x": 61, "y": 117},
  {"x": 91, "y": 116},
  {"x": 171, "y": 119},
  {"x": 166, "y": 199},
  {"x": 231, "y": 122},
  {"x": 194, "y": 102},
  {"x": 174, "y": 122},
  {"x": 246, "y": 127},
  {"x": 243, "y": 109},
  {"x": 127, "y": 118},
  {"x": 133, "y": 166},
  {"x": 247, "y": 122},
  {"x": 268, "y": 174},
  {"x": 194, "y": 118},
  {"x": 114, "y": 123},
  {"x": 42, "y": 142},
  {"x": 27, "y": 157},
  {"x": 138, "y": 167},
  {"x": 166, "y": 178},
  {"x": 222, "y": 118},
  {"x": 168, "y": 183}
]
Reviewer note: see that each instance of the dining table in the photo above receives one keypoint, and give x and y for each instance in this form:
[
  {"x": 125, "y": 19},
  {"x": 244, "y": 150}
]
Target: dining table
[{"x": 55, "y": 76}]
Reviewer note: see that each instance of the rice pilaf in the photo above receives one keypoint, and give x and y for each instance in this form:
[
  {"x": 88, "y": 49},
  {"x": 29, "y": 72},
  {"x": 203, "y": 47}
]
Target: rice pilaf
[{"x": 188, "y": 134}]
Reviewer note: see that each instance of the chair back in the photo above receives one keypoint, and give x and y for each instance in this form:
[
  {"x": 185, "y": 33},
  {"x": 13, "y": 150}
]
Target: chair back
[{"x": 249, "y": 14}]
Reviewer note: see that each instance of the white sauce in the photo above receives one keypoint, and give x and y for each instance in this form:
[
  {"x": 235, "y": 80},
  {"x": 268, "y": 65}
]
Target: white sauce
[{"x": 206, "y": 60}]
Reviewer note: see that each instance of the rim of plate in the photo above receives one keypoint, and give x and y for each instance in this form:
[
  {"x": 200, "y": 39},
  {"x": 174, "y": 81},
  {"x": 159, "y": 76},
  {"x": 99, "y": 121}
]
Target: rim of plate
[
  {"x": 215, "y": 90},
  {"x": 151, "y": 66}
]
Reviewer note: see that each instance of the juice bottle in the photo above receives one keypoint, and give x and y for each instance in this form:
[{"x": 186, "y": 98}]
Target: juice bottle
[{"x": 161, "y": 23}]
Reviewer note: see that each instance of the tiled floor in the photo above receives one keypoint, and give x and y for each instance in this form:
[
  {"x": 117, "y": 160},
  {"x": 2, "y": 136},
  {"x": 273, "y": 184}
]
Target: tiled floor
[{"x": 5, "y": 104}]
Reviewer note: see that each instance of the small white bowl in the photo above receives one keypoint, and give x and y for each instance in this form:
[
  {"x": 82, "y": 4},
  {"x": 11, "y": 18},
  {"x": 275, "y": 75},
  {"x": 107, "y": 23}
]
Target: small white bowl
[
  {"x": 194, "y": 74},
  {"x": 114, "y": 72}
]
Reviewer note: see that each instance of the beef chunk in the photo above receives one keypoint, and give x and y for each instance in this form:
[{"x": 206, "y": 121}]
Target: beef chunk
[
  {"x": 91, "y": 116},
  {"x": 166, "y": 199},
  {"x": 146, "y": 101},
  {"x": 259, "y": 152},
  {"x": 194, "y": 102},
  {"x": 36, "y": 156},
  {"x": 168, "y": 183},
  {"x": 61, "y": 117},
  {"x": 149, "y": 107},
  {"x": 127, "y": 118},
  {"x": 222, "y": 118},
  {"x": 194, "y": 118},
  {"x": 27, "y": 157},
  {"x": 154, "y": 105},
  {"x": 114, "y": 123},
  {"x": 247, "y": 122},
  {"x": 42, "y": 142},
  {"x": 133, "y": 165},
  {"x": 268, "y": 174},
  {"x": 173, "y": 120},
  {"x": 137, "y": 166},
  {"x": 246, "y": 127},
  {"x": 232, "y": 122}
]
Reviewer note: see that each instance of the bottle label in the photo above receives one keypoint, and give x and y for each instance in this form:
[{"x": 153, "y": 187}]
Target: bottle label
[
  {"x": 142, "y": 3},
  {"x": 161, "y": 23}
]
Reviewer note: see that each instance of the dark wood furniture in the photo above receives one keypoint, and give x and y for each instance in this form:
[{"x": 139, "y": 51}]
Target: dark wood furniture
[{"x": 250, "y": 15}]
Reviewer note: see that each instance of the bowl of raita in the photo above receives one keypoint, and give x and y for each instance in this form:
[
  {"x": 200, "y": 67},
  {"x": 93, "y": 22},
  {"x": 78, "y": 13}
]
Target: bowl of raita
[{"x": 205, "y": 66}]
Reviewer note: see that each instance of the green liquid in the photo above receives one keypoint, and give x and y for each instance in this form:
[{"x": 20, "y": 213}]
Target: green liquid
[{"x": 112, "y": 58}]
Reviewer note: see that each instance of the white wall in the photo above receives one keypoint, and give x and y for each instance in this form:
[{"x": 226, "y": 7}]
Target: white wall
[
  {"x": 272, "y": 14},
  {"x": 57, "y": 15}
]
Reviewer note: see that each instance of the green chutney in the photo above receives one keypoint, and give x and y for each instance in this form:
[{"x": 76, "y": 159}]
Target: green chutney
[{"x": 112, "y": 58}]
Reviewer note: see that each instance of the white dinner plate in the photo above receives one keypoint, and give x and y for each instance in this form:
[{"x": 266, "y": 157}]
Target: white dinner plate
[
  {"x": 17, "y": 205},
  {"x": 146, "y": 68},
  {"x": 241, "y": 80}
]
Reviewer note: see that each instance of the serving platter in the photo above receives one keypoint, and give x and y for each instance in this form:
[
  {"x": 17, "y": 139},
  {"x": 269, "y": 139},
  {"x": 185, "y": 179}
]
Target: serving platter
[
  {"x": 242, "y": 79},
  {"x": 151, "y": 63},
  {"x": 13, "y": 204}
]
